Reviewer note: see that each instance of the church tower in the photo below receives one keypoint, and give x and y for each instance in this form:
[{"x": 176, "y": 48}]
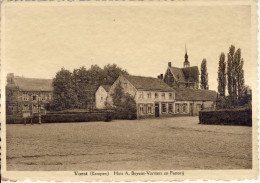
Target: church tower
[{"x": 186, "y": 62}]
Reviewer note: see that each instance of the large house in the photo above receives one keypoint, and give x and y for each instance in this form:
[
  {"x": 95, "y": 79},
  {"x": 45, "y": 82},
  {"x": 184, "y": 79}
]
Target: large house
[
  {"x": 26, "y": 96},
  {"x": 153, "y": 97},
  {"x": 185, "y": 81},
  {"x": 187, "y": 76}
]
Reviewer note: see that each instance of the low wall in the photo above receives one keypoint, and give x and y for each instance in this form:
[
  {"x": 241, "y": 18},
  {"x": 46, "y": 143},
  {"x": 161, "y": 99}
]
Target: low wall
[{"x": 241, "y": 117}]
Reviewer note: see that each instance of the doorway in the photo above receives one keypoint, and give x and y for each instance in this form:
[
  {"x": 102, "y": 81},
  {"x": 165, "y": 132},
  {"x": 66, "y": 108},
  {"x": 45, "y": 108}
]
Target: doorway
[{"x": 157, "y": 110}]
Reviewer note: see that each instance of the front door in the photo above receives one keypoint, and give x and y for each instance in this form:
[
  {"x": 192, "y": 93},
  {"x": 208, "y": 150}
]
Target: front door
[{"x": 157, "y": 111}]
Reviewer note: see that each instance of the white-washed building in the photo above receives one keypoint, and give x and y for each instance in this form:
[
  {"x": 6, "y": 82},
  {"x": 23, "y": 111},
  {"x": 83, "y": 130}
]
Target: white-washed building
[
  {"x": 101, "y": 96},
  {"x": 153, "y": 97}
]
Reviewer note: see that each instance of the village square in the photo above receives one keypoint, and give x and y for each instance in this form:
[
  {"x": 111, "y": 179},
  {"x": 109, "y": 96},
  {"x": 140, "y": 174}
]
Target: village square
[{"x": 108, "y": 119}]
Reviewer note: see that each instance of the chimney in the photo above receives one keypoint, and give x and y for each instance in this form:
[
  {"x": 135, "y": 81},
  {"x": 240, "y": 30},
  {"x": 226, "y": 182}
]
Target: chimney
[
  {"x": 10, "y": 78},
  {"x": 161, "y": 76},
  {"x": 169, "y": 64}
]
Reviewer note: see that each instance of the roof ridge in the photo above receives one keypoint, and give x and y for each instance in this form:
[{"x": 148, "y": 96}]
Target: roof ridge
[{"x": 22, "y": 77}]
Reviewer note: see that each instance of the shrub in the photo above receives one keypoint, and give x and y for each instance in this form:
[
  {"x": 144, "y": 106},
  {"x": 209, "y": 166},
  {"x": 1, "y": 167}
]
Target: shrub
[
  {"x": 61, "y": 118},
  {"x": 227, "y": 117}
]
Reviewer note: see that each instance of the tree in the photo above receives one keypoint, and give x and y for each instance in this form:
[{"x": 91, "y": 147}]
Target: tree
[
  {"x": 80, "y": 85},
  {"x": 222, "y": 80},
  {"x": 64, "y": 96},
  {"x": 235, "y": 74},
  {"x": 239, "y": 74},
  {"x": 204, "y": 75},
  {"x": 117, "y": 95},
  {"x": 230, "y": 71},
  {"x": 125, "y": 105},
  {"x": 112, "y": 72}
]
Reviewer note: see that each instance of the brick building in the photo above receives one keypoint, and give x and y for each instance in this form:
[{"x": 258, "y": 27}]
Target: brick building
[
  {"x": 186, "y": 77},
  {"x": 27, "y": 96}
]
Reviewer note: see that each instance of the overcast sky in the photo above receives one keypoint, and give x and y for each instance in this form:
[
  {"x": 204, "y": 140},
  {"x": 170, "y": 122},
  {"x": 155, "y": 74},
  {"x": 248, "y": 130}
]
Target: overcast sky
[{"x": 141, "y": 39}]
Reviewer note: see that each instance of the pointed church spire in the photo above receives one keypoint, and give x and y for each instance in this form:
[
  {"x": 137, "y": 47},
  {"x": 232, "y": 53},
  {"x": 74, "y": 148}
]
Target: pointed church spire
[{"x": 186, "y": 62}]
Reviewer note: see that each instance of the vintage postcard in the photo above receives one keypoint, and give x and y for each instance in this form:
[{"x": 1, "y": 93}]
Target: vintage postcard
[{"x": 129, "y": 90}]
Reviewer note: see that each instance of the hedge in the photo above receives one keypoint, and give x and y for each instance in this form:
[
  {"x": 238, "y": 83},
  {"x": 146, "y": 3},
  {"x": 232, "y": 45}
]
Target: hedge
[
  {"x": 62, "y": 118},
  {"x": 241, "y": 117}
]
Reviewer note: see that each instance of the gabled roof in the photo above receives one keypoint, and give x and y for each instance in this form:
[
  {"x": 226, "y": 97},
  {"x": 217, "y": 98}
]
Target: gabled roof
[
  {"x": 191, "y": 74},
  {"x": 188, "y": 74},
  {"x": 188, "y": 94},
  {"x": 106, "y": 87},
  {"x": 33, "y": 84},
  {"x": 148, "y": 83},
  {"x": 177, "y": 73}
]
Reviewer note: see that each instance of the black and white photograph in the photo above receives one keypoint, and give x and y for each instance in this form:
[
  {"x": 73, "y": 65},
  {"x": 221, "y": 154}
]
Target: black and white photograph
[{"x": 147, "y": 90}]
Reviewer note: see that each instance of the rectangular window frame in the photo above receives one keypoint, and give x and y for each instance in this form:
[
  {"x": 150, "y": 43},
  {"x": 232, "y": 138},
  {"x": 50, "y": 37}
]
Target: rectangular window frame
[
  {"x": 163, "y": 95},
  {"x": 170, "y": 107},
  {"x": 164, "y": 108}
]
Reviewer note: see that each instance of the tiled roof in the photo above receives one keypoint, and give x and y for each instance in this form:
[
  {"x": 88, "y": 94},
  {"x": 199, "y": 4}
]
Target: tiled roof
[
  {"x": 148, "y": 83},
  {"x": 177, "y": 73},
  {"x": 189, "y": 74},
  {"x": 189, "y": 94},
  {"x": 33, "y": 84},
  {"x": 106, "y": 87}
]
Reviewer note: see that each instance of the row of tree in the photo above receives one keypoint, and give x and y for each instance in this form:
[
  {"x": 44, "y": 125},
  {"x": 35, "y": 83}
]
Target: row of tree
[
  {"x": 231, "y": 75},
  {"x": 76, "y": 90}
]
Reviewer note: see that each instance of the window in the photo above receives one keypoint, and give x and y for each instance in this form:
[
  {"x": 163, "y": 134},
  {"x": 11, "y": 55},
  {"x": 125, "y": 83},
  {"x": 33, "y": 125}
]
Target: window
[
  {"x": 125, "y": 85},
  {"x": 145, "y": 110},
  {"x": 184, "y": 108},
  {"x": 163, "y": 95},
  {"x": 34, "y": 97},
  {"x": 101, "y": 98},
  {"x": 170, "y": 95},
  {"x": 156, "y": 95},
  {"x": 164, "y": 107},
  {"x": 170, "y": 108},
  {"x": 25, "y": 97},
  {"x": 43, "y": 96},
  {"x": 149, "y": 110},
  {"x": 141, "y": 109},
  {"x": 149, "y": 95},
  {"x": 141, "y": 95},
  {"x": 177, "y": 108}
]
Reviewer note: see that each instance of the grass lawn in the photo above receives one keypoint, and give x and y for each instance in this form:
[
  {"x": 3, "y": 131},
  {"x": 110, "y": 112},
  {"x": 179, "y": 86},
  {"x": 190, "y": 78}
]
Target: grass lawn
[{"x": 169, "y": 143}]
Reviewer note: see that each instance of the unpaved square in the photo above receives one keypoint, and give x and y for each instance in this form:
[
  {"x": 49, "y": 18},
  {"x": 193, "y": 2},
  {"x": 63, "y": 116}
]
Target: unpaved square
[{"x": 169, "y": 143}]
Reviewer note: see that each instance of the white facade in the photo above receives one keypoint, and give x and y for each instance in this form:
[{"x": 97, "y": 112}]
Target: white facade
[{"x": 101, "y": 98}]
